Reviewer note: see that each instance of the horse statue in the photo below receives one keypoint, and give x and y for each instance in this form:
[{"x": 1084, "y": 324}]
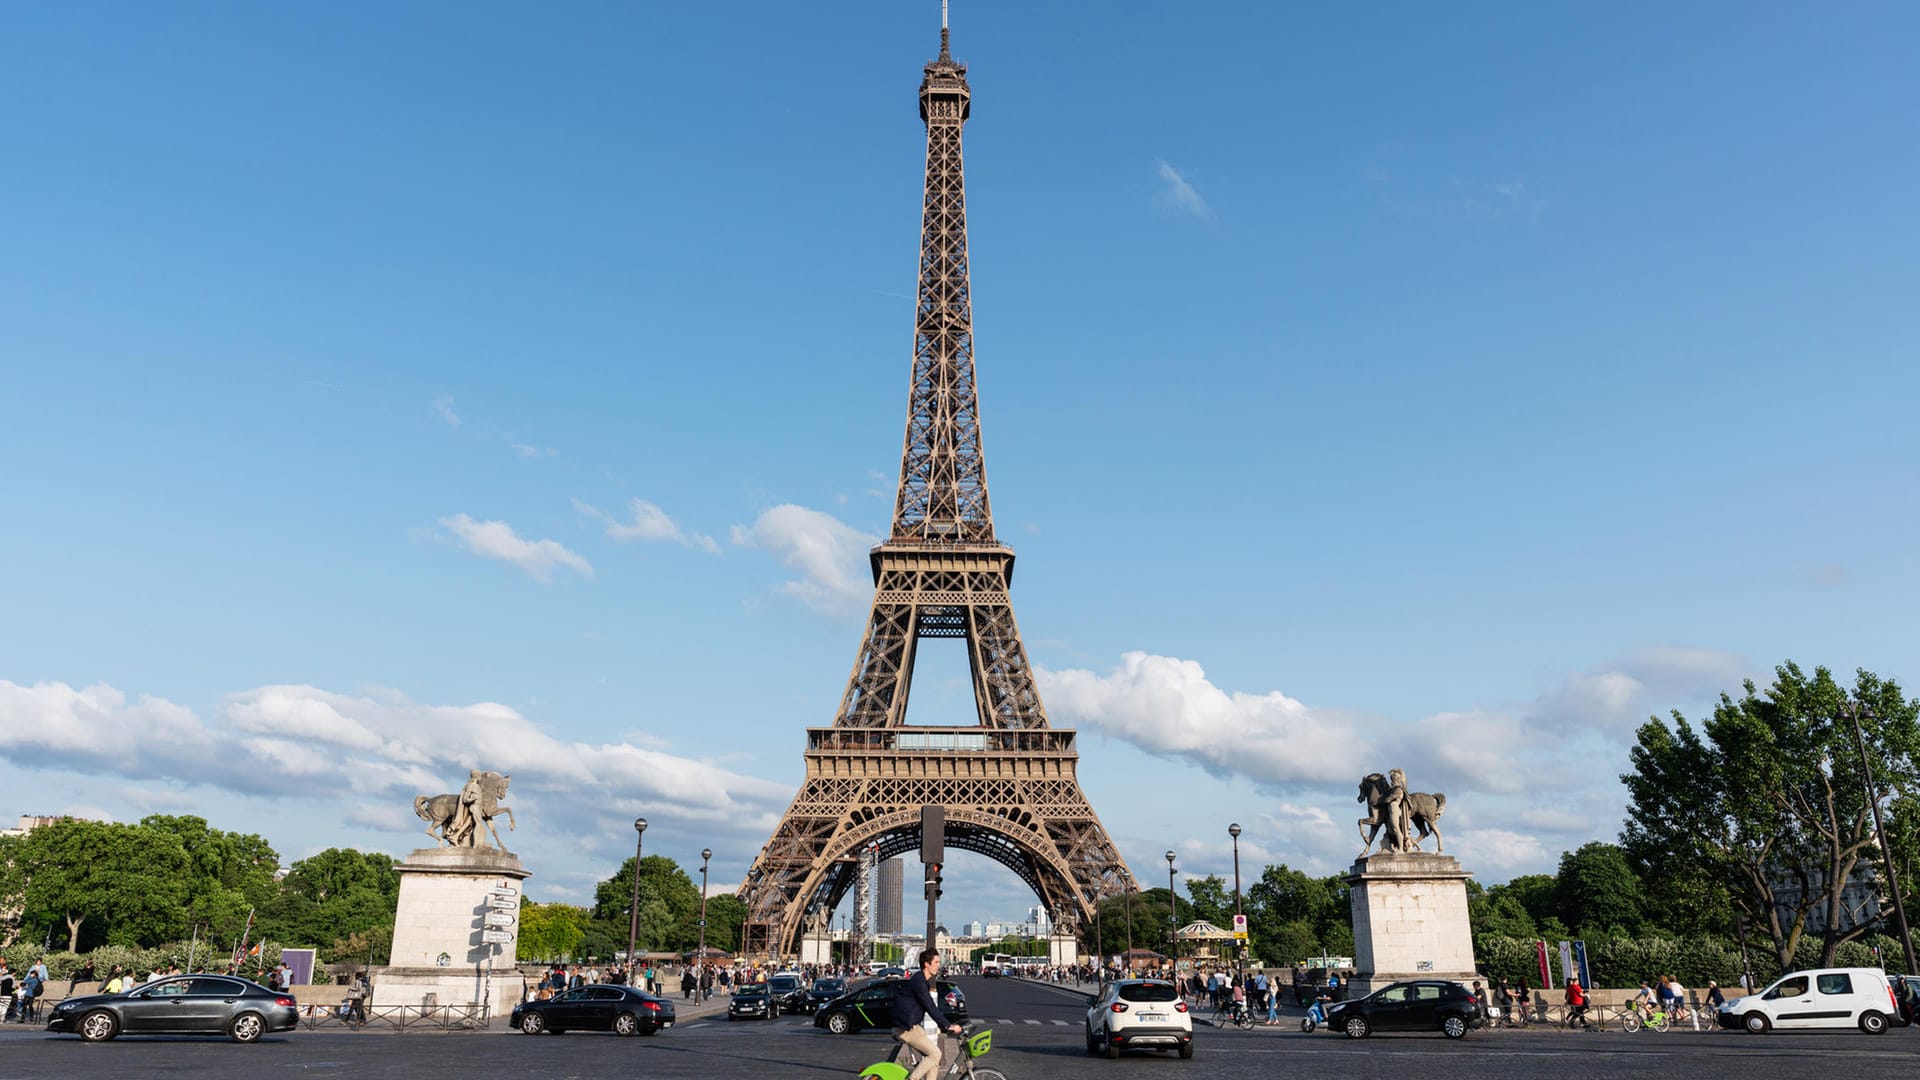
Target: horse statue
[
  {"x": 461, "y": 820},
  {"x": 1392, "y": 807}
]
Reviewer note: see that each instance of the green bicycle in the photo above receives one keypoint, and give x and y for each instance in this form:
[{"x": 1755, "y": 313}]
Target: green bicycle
[
  {"x": 958, "y": 1051},
  {"x": 1637, "y": 1017}
]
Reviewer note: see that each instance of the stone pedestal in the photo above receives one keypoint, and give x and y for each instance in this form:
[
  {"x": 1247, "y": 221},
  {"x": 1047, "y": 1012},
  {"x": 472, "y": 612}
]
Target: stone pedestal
[
  {"x": 816, "y": 950},
  {"x": 442, "y": 957},
  {"x": 1063, "y": 950},
  {"x": 1409, "y": 920}
]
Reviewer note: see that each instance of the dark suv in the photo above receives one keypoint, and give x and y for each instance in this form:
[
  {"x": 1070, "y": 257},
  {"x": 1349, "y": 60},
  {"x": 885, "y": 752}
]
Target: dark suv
[
  {"x": 1421, "y": 1005},
  {"x": 790, "y": 991}
]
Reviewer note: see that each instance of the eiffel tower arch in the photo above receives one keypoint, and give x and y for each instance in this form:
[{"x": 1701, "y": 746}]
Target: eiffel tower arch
[{"x": 1007, "y": 781}]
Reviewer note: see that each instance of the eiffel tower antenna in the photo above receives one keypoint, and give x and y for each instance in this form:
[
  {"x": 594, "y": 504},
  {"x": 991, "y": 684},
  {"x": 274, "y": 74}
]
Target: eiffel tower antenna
[{"x": 1008, "y": 780}]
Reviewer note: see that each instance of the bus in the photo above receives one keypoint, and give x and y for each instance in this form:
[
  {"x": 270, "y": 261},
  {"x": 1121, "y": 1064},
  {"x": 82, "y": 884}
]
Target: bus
[{"x": 994, "y": 965}]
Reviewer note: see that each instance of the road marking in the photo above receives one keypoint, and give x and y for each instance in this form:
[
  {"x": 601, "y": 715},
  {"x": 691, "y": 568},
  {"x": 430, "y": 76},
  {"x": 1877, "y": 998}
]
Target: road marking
[
  {"x": 1034, "y": 1022},
  {"x": 1059, "y": 1023}
]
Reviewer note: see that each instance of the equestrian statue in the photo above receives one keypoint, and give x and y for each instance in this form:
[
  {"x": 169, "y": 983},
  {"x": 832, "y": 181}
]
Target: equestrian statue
[
  {"x": 1390, "y": 806},
  {"x": 462, "y": 820}
]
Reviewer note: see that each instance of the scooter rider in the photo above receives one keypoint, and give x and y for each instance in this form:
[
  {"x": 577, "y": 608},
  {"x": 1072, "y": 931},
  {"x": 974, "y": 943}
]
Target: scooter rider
[{"x": 912, "y": 1002}]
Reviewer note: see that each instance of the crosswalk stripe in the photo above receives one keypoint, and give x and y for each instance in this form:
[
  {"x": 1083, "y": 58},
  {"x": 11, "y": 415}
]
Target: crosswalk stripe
[{"x": 1030, "y": 1021}]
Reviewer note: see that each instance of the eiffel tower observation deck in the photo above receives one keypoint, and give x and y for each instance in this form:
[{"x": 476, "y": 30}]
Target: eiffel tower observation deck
[{"x": 1007, "y": 782}]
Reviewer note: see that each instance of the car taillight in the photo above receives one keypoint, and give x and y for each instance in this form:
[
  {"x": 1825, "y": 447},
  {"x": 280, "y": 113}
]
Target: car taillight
[
  {"x": 654, "y": 1005},
  {"x": 287, "y": 1001},
  {"x": 1118, "y": 1006},
  {"x": 1179, "y": 1006}
]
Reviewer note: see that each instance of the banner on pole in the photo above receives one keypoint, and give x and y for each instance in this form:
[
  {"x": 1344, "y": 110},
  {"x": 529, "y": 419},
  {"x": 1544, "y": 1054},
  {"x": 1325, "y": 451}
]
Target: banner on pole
[
  {"x": 1546, "y": 969},
  {"x": 1567, "y": 972},
  {"x": 1580, "y": 964}
]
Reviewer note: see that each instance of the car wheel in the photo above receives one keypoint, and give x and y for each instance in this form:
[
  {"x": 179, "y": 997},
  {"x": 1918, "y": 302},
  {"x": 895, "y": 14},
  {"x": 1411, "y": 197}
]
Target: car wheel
[
  {"x": 1455, "y": 1027},
  {"x": 1186, "y": 1051},
  {"x": 1757, "y": 1023},
  {"x": 1357, "y": 1027},
  {"x": 840, "y": 1024},
  {"x": 626, "y": 1024},
  {"x": 1092, "y": 1046},
  {"x": 1873, "y": 1023},
  {"x": 1111, "y": 1048},
  {"x": 533, "y": 1023},
  {"x": 99, "y": 1026},
  {"x": 247, "y": 1027}
]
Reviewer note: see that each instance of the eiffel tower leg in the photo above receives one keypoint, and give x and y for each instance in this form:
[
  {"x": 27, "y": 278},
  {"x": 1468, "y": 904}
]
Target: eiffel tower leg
[{"x": 1002, "y": 678}]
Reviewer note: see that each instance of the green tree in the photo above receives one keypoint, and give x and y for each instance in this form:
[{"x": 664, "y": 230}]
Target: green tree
[
  {"x": 1498, "y": 912},
  {"x": 552, "y": 931},
  {"x": 1765, "y": 801},
  {"x": 340, "y": 900},
  {"x": 232, "y": 873},
  {"x": 669, "y": 904},
  {"x": 1598, "y": 894},
  {"x": 1212, "y": 899},
  {"x": 725, "y": 914},
  {"x": 122, "y": 884}
]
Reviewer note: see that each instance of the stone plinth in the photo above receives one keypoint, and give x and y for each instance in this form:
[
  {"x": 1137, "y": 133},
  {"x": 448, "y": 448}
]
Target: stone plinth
[
  {"x": 441, "y": 958},
  {"x": 1409, "y": 920},
  {"x": 1063, "y": 950},
  {"x": 816, "y": 950}
]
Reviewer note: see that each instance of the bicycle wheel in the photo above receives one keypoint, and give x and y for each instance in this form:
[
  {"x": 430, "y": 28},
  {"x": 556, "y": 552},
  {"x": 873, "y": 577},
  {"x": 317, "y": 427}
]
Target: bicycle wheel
[
  {"x": 981, "y": 1072},
  {"x": 1630, "y": 1022},
  {"x": 1658, "y": 1021}
]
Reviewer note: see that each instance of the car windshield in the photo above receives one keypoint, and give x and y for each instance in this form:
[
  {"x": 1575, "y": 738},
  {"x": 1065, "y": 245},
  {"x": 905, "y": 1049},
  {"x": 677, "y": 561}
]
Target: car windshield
[
  {"x": 1148, "y": 992},
  {"x": 784, "y": 982},
  {"x": 751, "y": 991},
  {"x": 829, "y": 986}
]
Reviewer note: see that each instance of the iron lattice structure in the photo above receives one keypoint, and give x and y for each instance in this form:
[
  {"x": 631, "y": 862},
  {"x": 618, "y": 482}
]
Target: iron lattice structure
[{"x": 1008, "y": 782}]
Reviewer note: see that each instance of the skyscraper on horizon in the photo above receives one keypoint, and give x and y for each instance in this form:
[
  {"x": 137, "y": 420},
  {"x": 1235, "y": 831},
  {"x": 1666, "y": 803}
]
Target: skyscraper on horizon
[{"x": 891, "y": 913}]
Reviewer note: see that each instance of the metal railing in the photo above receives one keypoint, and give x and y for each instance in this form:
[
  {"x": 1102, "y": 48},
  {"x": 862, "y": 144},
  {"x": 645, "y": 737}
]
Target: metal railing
[{"x": 399, "y": 1018}]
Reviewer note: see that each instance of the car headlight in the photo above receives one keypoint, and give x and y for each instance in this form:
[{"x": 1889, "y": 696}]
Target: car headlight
[{"x": 66, "y": 1006}]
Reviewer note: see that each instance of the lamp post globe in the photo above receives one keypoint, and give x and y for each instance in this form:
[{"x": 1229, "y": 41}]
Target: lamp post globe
[{"x": 633, "y": 917}]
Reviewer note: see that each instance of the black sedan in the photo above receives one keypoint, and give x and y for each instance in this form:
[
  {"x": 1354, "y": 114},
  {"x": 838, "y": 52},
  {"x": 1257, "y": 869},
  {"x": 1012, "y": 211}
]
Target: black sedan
[
  {"x": 1422, "y": 1005},
  {"x": 184, "y": 1005},
  {"x": 823, "y": 991},
  {"x": 871, "y": 1006},
  {"x": 622, "y": 1010},
  {"x": 753, "y": 1003}
]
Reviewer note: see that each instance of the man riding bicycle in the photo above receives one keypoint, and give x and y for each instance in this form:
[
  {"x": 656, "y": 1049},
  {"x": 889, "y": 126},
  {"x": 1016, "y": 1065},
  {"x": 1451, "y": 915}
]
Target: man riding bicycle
[{"x": 912, "y": 1003}]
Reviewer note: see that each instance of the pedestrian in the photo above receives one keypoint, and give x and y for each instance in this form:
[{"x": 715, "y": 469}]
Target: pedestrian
[
  {"x": 357, "y": 994},
  {"x": 1577, "y": 1005},
  {"x": 1479, "y": 1003},
  {"x": 83, "y": 973},
  {"x": 1523, "y": 997},
  {"x": 29, "y": 995},
  {"x": 1715, "y": 998},
  {"x": 1273, "y": 1005}
]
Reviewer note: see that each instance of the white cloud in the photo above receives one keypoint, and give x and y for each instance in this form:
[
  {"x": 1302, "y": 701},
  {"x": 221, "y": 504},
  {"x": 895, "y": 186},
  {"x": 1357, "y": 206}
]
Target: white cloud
[
  {"x": 650, "y": 523},
  {"x": 443, "y": 408},
  {"x": 532, "y": 452},
  {"x": 1616, "y": 698},
  {"x": 1167, "y": 706},
  {"x": 1496, "y": 853},
  {"x": 830, "y": 555},
  {"x": 497, "y": 540},
  {"x": 376, "y": 751},
  {"x": 1179, "y": 195}
]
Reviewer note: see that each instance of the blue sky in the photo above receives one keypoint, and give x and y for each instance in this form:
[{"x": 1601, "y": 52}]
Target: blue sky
[{"x": 1445, "y": 389}]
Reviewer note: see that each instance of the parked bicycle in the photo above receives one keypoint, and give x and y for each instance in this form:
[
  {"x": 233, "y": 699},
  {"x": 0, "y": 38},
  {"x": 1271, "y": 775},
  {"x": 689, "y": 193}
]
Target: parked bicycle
[{"x": 957, "y": 1054}]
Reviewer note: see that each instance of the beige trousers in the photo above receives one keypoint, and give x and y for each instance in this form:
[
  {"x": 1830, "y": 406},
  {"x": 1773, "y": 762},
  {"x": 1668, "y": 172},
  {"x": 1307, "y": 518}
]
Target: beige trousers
[{"x": 927, "y": 1046}]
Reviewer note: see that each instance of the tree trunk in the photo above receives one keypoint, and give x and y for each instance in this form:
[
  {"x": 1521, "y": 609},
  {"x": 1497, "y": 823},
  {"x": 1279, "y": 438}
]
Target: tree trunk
[{"x": 73, "y": 932}]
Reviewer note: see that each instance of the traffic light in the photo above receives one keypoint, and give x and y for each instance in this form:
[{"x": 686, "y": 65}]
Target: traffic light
[
  {"x": 933, "y": 834},
  {"x": 933, "y": 881}
]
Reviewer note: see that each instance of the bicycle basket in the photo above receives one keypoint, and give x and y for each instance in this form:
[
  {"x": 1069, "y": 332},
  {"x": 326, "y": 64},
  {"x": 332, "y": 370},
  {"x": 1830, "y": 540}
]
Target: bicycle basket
[
  {"x": 884, "y": 1070},
  {"x": 978, "y": 1045}
]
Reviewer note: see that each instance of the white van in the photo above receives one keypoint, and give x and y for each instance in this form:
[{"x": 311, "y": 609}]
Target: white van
[{"x": 1821, "y": 998}]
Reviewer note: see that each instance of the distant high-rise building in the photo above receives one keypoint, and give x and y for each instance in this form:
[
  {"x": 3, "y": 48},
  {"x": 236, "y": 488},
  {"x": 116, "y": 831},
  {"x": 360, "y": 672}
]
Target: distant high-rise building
[
  {"x": 976, "y": 929},
  {"x": 891, "y": 915}
]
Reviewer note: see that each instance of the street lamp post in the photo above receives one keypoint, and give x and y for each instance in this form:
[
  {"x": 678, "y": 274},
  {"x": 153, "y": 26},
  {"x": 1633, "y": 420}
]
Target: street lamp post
[
  {"x": 700, "y": 971},
  {"x": 633, "y": 918},
  {"x": 1126, "y": 962},
  {"x": 1173, "y": 919},
  {"x": 1233, "y": 830},
  {"x": 1880, "y": 836}
]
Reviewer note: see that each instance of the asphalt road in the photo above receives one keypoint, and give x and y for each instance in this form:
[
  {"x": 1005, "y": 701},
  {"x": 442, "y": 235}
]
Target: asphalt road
[{"x": 1037, "y": 1034}]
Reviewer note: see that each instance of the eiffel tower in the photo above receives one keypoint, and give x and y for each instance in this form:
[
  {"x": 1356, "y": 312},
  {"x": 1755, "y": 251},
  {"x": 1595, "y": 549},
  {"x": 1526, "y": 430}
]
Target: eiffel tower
[{"x": 1007, "y": 782}]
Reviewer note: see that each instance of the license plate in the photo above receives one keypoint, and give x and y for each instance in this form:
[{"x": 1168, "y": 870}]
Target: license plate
[
  {"x": 666, "y": 1024},
  {"x": 1153, "y": 1016}
]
